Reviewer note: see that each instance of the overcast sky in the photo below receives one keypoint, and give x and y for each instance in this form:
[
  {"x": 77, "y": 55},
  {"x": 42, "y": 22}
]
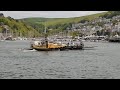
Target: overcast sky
[{"x": 48, "y": 14}]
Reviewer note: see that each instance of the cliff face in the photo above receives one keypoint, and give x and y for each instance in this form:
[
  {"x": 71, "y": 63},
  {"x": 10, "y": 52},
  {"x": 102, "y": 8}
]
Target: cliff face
[{"x": 1, "y": 15}]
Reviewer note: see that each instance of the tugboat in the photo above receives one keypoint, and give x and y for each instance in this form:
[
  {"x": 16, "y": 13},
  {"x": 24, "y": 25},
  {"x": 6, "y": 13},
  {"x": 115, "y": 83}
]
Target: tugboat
[
  {"x": 45, "y": 45},
  {"x": 51, "y": 46},
  {"x": 42, "y": 46}
]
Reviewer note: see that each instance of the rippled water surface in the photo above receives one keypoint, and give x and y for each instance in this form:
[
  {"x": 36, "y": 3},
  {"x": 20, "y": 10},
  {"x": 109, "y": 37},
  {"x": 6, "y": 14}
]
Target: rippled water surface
[{"x": 101, "y": 62}]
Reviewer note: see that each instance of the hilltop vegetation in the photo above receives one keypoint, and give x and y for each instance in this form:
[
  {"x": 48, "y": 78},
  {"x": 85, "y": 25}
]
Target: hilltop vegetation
[
  {"x": 110, "y": 14},
  {"x": 55, "y": 21},
  {"x": 17, "y": 28},
  {"x": 38, "y": 19},
  {"x": 58, "y": 24}
]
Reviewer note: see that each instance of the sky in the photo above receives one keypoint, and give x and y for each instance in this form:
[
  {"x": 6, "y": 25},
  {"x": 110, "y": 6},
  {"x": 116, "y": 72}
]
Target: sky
[{"x": 47, "y": 14}]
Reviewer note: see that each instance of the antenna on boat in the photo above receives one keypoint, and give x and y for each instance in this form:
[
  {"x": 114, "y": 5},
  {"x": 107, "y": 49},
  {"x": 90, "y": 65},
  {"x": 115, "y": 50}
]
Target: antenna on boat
[
  {"x": 46, "y": 40},
  {"x": 45, "y": 28}
]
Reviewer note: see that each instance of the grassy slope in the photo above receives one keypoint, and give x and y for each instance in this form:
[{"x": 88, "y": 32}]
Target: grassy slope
[
  {"x": 76, "y": 19},
  {"x": 38, "y": 20},
  {"x": 54, "y": 21}
]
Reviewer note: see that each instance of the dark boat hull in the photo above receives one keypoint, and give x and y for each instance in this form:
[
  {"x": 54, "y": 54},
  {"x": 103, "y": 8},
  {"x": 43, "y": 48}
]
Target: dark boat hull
[
  {"x": 74, "y": 47},
  {"x": 49, "y": 49},
  {"x": 60, "y": 49},
  {"x": 114, "y": 40}
]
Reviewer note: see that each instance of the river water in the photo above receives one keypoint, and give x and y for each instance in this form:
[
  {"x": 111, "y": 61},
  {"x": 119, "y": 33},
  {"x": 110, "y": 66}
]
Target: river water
[{"x": 100, "y": 62}]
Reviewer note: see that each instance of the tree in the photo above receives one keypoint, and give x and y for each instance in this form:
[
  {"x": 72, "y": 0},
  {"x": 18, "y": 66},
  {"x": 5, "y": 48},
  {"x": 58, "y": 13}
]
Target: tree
[
  {"x": 98, "y": 33},
  {"x": 110, "y": 14}
]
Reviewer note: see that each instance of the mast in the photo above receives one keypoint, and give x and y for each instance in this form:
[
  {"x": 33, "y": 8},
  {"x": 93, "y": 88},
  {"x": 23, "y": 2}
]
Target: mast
[
  {"x": 46, "y": 40},
  {"x": 45, "y": 28}
]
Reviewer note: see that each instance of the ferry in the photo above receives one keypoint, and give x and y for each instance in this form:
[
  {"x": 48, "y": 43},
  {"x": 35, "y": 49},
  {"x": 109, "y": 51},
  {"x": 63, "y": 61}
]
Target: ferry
[
  {"x": 58, "y": 45},
  {"x": 47, "y": 46}
]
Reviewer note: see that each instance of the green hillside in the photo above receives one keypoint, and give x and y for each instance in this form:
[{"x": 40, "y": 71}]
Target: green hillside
[
  {"x": 54, "y": 21},
  {"x": 38, "y": 19},
  {"x": 57, "y": 24},
  {"x": 18, "y": 27},
  {"x": 73, "y": 20}
]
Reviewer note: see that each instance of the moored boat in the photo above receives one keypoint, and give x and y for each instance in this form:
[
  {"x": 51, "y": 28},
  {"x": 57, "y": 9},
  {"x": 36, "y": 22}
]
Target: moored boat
[{"x": 115, "y": 38}]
